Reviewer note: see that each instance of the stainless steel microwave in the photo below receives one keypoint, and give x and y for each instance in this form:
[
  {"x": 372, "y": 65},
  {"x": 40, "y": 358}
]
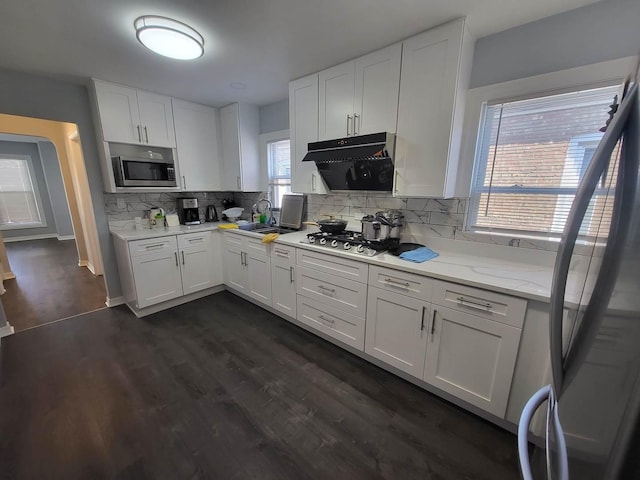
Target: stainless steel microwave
[{"x": 143, "y": 172}]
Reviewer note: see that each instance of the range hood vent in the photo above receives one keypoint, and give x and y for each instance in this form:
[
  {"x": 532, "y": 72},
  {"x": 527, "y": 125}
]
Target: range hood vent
[{"x": 355, "y": 163}]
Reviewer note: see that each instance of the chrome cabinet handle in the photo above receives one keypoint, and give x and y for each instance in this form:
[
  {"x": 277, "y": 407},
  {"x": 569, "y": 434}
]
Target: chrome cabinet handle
[
  {"x": 238, "y": 182},
  {"x": 182, "y": 257},
  {"x": 155, "y": 245},
  {"x": 355, "y": 131},
  {"x": 139, "y": 134},
  {"x": 313, "y": 182},
  {"x": 327, "y": 289},
  {"x": 330, "y": 320},
  {"x": 348, "y": 121},
  {"x": 433, "y": 322},
  {"x": 146, "y": 133},
  {"x": 291, "y": 274},
  {"x": 242, "y": 258},
  {"x": 175, "y": 254},
  {"x": 395, "y": 188},
  {"x": 485, "y": 307},
  {"x": 184, "y": 183},
  {"x": 395, "y": 283},
  {"x": 422, "y": 318}
]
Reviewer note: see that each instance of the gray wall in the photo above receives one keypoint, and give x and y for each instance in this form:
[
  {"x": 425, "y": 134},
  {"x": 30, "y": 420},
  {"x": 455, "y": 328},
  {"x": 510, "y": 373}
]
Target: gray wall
[
  {"x": 31, "y": 150},
  {"x": 602, "y": 31},
  {"x": 43, "y": 97},
  {"x": 274, "y": 117},
  {"x": 59, "y": 204}
]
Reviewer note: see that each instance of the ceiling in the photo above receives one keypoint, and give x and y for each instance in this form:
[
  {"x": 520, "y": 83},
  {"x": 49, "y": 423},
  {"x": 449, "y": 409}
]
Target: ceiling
[{"x": 261, "y": 44}]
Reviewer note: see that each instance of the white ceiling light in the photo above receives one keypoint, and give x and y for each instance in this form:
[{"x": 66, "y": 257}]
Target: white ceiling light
[{"x": 169, "y": 37}]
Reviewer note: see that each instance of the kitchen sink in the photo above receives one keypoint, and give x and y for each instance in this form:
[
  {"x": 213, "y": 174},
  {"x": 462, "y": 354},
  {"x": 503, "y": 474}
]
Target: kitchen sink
[{"x": 262, "y": 228}]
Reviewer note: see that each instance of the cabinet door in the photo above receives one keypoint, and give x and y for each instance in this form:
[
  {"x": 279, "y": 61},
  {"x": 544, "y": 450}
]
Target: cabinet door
[
  {"x": 230, "y": 141},
  {"x": 157, "y": 277},
  {"x": 216, "y": 258},
  {"x": 259, "y": 277},
  {"x": 397, "y": 330},
  {"x": 303, "y": 129},
  {"x": 336, "y": 90},
  {"x": 197, "y": 145},
  {"x": 253, "y": 174},
  {"x": 347, "y": 328},
  {"x": 156, "y": 118},
  {"x": 472, "y": 358},
  {"x": 118, "y": 109},
  {"x": 283, "y": 287},
  {"x": 196, "y": 261},
  {"x": 235, "y": 270},
  {"x": 377, "y": 81},
  {"x": 428, "y": 86}
]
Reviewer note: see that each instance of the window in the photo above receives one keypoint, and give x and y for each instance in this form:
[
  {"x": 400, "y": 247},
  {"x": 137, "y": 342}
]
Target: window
[
  {"x": 278, "y": 155},
  {"x": 530, "y": 157},
  {"x": 20, "y": 205}
]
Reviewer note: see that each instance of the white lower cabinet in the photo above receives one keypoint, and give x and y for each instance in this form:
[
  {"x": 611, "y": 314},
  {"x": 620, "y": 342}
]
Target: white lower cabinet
[
  {"x": 397, "y": 330},
  {"x": 332, "y": 321},
  {"x": 283, "y": 280},
  {"x": 159, "y": 269},
  {"x": 247, "y": 266},
  {"x": 472, "y": 358}
]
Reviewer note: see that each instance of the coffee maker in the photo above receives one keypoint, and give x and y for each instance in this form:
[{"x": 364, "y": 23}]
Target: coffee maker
[{"x": 188, "y": 211}]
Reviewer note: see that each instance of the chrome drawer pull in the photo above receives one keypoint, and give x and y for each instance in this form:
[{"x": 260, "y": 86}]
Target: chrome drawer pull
[
  {"x": 485, "y": 307},
  {"x": 395, "y": 283},
  {"x": 291, "y": 274},
  {"x": 327, "y": 289},
  {"x": 330, "y": 320},
  {"x": 155, "y": 245}
]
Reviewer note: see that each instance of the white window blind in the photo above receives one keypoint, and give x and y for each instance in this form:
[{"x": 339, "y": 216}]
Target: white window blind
[
  {"x": 279, "y": 159},
  {"x": 18, "y": 199},
  {"x": 530, "y": 159}
]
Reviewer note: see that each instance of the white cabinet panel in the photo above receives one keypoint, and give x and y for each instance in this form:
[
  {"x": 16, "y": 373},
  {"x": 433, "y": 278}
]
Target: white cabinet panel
[
  {"x": 347, "y": 328},
  {"x": 346, "y": 295},
  {"x": 333, "y": 265},
  {"x": 397, "y": 330},
  {"x": 156, "y": 119},
  {"x": 197, "y": 262},
  {"x": 197, "y": 146},
  {"x": 435, "y": 72},
  {"x": 472, "y": 358},
  {"x": 157, "y": 276},
  {"x": 259, "y": 275},
  {"x": 247, "y": 266},
  {"x": 397, "y": 281},
  {"x": 118, "y": 112},
  {"x": 283, "y": 286},
  {"x": 241, "y": 167},
  {"x": 303, "y": 129},
  {"x": 377, "y": 82},
  {"x": 235, "y": 272},
  {"x": 336, "y": 93}
]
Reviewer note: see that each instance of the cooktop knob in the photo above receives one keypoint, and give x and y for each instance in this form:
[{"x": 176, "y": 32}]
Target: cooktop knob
[
  {"x": 346, "y": 246},
  {"x": 360, "y": 249},
  {"x": 334, "y": 243},
  {"x": 323, "y": 241},
  {"x": 312, "y": 239}
]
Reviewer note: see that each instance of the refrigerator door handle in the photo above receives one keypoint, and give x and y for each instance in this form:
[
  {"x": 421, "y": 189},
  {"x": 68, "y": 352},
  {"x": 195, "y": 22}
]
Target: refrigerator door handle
[
  {"x": 528, "y": 411},
  {"x": 598, "y": 165}
]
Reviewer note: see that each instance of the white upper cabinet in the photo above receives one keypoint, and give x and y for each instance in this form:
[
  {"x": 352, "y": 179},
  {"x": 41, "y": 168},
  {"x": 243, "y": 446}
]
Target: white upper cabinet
[
  {"x": 376, "y": 91},
  {"x": 303, "y": 129},
  {"x": 132, "y": 116},
  {"x": 241, "y": 167},
  {"x": 436, "y": 66},
  {"x": 197, "y": 146},
  {"x": 360, "y": 96}
]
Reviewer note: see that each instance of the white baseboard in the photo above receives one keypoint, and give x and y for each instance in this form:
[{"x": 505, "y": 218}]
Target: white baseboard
[
  {"x": 143, "y": 312},
  {"x": 66, "y": 237},
  {"x": 91, "y": 268},
  {"x": 114, "y": 302},
  {"x": 30, "y": 237},
  {"x": 6, "y": 331},
  {"x": 8, "y": 276},
  {"x": 83, "y": 263}
]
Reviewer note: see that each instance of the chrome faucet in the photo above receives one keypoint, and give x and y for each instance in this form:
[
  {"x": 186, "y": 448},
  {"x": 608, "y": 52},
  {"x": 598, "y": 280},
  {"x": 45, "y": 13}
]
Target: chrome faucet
[{"x": 270, "y": 219}]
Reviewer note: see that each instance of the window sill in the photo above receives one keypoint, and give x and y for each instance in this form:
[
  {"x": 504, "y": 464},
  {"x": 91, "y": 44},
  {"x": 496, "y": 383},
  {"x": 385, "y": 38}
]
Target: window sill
[{"x": 22, "y": 226}]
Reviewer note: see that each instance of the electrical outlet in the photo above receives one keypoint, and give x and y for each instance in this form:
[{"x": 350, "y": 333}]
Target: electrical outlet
[{"x": 120, "y": 203}]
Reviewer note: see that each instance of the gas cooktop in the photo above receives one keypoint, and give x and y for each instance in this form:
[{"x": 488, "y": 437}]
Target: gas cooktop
[{"x": 350, "y": 241}]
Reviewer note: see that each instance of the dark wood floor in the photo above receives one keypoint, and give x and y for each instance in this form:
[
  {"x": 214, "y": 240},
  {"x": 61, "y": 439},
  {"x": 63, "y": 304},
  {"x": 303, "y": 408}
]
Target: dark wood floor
[
  {"x": 49, "y": 285},
  {"x": 221, "y": 389}
]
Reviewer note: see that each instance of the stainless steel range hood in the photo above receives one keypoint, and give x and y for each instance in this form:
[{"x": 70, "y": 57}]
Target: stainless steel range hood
[{"x": 355, "y": 163}]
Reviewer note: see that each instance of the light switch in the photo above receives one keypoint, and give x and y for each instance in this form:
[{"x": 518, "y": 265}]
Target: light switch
[{"x": 120, "y": 203}]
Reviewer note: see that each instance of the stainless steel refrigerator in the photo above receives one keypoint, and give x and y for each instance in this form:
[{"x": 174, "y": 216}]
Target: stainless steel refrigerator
[{"x": 592, "y": 408}]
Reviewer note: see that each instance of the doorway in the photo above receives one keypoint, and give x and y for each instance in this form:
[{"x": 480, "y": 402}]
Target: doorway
[{"x": 52, "y": 266}]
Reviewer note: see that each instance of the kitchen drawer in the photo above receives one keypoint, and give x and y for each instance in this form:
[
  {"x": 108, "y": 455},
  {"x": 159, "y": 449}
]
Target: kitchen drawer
[
  {"x": 409, "y": 284},
  {"x": 347, "y": 328},
  {"x": 283, "y": 252},
  {"x": 193, "y": 239},
  {"x": 138, "y": 248},
  {"x": 340, "y": 293},
  {"x": 233, "y": 239},
  {"x": 333, "y": 265},
  {"x": 482, "y": 303},
  {"x": 255, "y": 246}
]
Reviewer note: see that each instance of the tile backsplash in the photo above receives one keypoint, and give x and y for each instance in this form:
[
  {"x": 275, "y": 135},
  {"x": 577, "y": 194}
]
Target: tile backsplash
[{"x": 425, "y": 217}]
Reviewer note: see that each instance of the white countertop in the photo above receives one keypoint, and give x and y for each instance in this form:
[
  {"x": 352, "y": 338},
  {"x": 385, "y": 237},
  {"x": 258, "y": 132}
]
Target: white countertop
[{"x": 515, "y": 271}]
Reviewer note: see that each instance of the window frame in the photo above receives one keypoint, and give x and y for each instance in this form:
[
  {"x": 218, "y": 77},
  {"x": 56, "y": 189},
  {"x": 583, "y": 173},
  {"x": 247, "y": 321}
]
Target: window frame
[
  {"x": 36, "y": 193},
  {"x": 597, "y": 75},
  {"x": 265, "y": 139}
]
